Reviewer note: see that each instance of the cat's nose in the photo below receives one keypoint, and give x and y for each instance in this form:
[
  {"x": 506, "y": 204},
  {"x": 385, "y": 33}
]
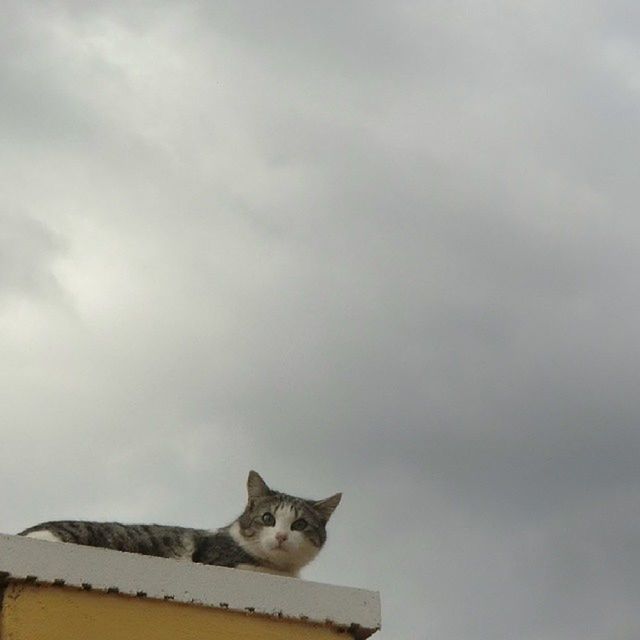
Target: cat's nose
[{"x": 281, "y": 536}]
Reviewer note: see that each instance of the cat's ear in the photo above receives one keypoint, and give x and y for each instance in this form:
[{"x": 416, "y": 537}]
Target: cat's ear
[
  {"x": 256, "y": 486},
  {"x": 327, "y": 506}
]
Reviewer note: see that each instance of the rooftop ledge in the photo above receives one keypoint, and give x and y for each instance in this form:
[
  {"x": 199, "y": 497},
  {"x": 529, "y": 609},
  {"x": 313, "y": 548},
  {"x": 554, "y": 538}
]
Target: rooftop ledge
[{"x": 36, "y": 569}]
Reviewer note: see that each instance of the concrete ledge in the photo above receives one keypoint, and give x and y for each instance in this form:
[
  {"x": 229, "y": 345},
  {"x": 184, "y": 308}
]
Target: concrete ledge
[{"x": 342, "y": 608}]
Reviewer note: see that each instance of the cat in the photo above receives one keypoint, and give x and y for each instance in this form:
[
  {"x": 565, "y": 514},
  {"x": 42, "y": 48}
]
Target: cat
[{"x": 276, "y": 533}]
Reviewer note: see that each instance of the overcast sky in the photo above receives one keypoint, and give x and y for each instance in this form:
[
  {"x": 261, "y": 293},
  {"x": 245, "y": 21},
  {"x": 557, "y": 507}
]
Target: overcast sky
[{"x": 388, "y": 248}]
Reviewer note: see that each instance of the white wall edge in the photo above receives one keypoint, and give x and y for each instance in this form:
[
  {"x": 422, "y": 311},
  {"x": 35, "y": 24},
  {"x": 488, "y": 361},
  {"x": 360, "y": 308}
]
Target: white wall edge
[{"x": 158, "y": 578}]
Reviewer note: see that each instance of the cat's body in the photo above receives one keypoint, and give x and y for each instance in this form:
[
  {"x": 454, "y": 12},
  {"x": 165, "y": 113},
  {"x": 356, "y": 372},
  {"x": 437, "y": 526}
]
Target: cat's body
[
  {"x": 276, "y": 533},
  {"x": 179, "y": 543}
]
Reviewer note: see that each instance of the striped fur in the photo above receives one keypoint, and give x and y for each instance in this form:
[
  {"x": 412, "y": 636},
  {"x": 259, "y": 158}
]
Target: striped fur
[{"x": 276, "y": 532}]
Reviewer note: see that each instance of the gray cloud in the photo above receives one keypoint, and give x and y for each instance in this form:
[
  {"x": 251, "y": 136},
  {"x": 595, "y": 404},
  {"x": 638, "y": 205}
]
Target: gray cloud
[
  {"x": 27, "y": 249},
  {"x": 384, "y": 250}
]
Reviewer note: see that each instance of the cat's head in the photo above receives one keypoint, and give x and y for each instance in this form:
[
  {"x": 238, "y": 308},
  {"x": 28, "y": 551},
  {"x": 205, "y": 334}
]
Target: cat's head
[{"x": 285, "y": 531}]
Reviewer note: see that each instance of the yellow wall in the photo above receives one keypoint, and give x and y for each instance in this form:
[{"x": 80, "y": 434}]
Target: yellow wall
[{"x": 31, "y": 612}]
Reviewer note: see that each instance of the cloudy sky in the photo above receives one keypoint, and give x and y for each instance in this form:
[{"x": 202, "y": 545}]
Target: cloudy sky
[{"x": 388, "y": 248}]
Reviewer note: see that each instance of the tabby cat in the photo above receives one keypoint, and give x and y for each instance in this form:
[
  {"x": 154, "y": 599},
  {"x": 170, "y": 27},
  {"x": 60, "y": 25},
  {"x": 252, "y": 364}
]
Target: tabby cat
[{"x": 276, "y": 533}]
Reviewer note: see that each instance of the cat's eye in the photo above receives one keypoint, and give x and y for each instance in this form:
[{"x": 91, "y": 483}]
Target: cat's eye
[
  {"x": 299, "y": 525},
  {"x": 268, "y": 519}
]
